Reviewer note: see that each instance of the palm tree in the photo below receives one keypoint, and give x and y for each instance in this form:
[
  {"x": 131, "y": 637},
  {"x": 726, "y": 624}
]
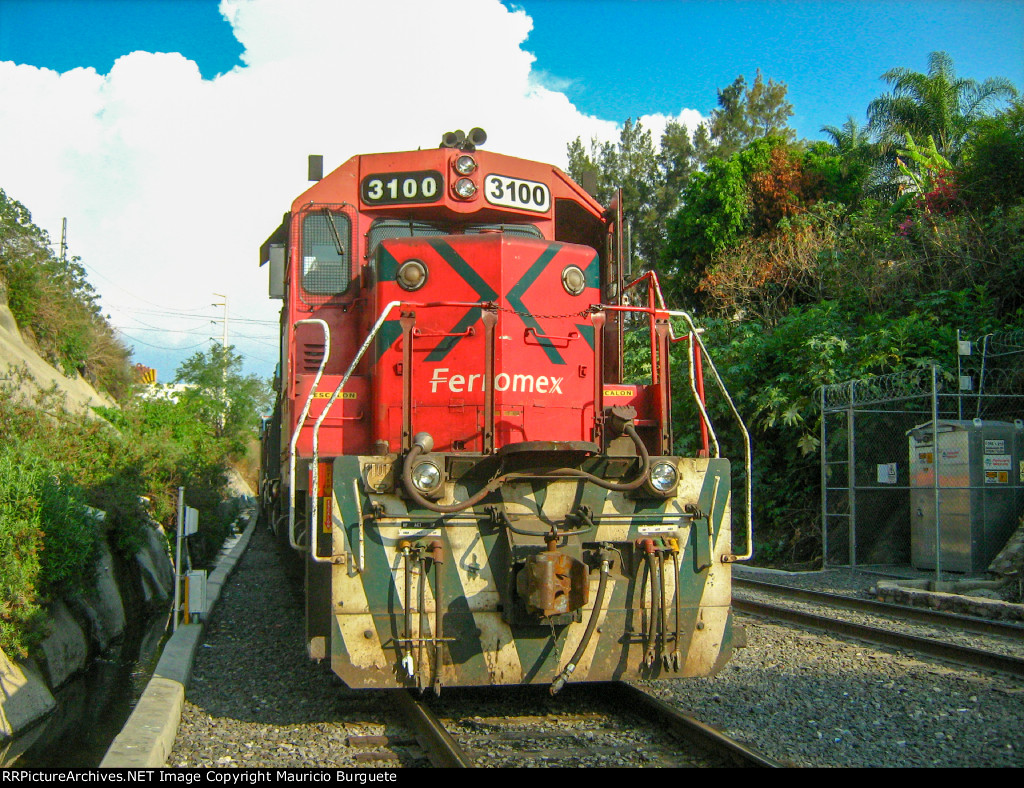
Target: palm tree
[
  {"x": 860, "y": 157},
  {"x": 937, "y": 104}
]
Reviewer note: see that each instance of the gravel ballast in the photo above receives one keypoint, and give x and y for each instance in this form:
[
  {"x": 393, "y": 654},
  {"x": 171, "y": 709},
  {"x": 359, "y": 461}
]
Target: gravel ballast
[{"x": 804, "y": 699}]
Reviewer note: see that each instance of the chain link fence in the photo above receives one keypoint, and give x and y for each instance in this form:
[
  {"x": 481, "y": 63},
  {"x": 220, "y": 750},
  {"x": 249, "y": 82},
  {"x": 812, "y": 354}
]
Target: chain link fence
[{"x": 925, "y": 468}]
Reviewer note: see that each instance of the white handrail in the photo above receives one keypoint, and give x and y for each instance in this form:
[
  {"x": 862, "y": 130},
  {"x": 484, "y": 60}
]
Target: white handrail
[
  {"x": 323, "y": 415},
  {"x": 748, "y": 464},
  {"x": 298, "y": 428}
]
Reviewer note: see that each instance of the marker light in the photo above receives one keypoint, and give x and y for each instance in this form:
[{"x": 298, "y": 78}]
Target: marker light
[
  {"x": 573, "y": 280},
  {"x": 664, "y": 476},
  {"x": 464, "y": 165},
  {"x": 412, "y": 275},
  {"x": 426, "y": 476},
  {"x": 465, "y": 188}
]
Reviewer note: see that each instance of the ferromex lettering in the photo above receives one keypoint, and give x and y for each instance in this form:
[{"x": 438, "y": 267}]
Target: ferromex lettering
[{"x": 503, "y": 381}]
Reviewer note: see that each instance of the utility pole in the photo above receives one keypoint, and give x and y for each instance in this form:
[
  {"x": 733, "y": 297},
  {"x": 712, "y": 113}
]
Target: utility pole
[
  {"x": 64, "y": 239},
  {"x": 224, "y": 331},
  {"x": 224, "y": 360}
]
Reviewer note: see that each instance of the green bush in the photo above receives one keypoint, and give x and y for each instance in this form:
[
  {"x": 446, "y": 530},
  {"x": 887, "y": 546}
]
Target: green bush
[{"x": 49, "y": 542}]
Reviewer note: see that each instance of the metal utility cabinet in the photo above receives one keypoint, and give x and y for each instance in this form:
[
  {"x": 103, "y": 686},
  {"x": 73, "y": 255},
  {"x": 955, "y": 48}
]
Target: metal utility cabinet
[{"x": 980, "y": 491}]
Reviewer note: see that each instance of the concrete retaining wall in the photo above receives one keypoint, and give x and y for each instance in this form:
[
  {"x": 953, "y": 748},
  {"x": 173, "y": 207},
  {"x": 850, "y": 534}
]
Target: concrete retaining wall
[
  {"x": 79, "y": 630},
  {"x": 148, "y": 737}
]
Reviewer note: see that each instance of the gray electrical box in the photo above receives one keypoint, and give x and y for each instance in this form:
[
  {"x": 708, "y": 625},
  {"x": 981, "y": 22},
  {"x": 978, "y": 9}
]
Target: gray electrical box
[
  {"x": 980, "y": 491},
  {"x": 196, "y": 591}
]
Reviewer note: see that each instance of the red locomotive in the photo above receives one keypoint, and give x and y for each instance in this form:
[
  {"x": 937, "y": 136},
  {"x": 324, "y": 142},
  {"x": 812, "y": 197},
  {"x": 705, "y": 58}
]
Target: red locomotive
[{"x": 480, "y": 495}]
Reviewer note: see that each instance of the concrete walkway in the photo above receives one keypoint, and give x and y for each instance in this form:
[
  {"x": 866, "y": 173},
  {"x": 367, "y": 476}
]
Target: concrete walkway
[{"x": 147, "y": 738}]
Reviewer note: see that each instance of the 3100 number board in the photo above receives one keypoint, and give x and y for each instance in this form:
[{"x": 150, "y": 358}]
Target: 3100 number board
[
  {"x": 511, "y": 192},
  {"x": 391, "y": 188}
]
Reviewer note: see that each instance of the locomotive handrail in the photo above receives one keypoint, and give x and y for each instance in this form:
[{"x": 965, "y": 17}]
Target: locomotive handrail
[
  {"x": 732, "y": 406},
  {"x": 489, "y": 305},
  {"x": 320, "y": 420},
  {"x": 298, "y": 428},
  {"x": 697, "y": 376}
]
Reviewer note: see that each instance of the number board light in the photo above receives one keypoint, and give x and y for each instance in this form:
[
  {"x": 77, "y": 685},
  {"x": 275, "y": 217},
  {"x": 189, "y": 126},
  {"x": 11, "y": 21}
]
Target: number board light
[
  {"x": 509, "y": 192},
  {"x": 392, "y": 188}
]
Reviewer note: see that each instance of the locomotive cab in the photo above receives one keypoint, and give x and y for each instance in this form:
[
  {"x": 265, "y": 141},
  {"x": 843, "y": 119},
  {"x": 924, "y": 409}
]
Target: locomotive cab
[{"x": 480, "y": 496}]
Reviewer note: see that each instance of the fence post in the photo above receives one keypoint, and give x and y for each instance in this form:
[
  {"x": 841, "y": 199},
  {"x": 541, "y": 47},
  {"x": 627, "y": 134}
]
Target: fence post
[
  {"x": 935, "y": 473},
  {"x": 851, "y": 474},
  {"x": 824, "y": 486},
  {"x": 177, "y": 557}
]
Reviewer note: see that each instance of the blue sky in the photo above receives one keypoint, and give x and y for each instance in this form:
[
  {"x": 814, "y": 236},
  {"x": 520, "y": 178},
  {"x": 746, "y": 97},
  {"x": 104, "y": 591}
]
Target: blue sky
[
  {"x": 173, "y": 168},
  {"x": 632, "y": 58}
]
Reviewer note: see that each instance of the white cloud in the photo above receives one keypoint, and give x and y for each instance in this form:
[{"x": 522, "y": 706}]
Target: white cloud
[
  {"x": 171, "y": 182},
  {"x": 690, "y": 118}
]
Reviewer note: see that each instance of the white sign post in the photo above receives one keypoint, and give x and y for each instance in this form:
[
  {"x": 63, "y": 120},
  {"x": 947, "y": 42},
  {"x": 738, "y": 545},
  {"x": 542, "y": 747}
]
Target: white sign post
[{"x": 188, "y": 524}]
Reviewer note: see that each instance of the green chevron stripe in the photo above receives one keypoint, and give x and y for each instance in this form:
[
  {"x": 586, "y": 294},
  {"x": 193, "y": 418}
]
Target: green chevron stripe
[
  {"x": 387, "y": 265},
  {"x": 446, "y": 344},
  {"x": 483, "y": 290},
  {"x": 592, "y": 273},
  {"x": 466, "y": 651},
  {"x": 515, "y": 297},
  {"x": 390, "y": 331},
  {"x": 464, "y": 269},
  {"x": 378, "y": 580},
  {"x": 717, "y": 470},
  {"x": 587, "y": 332}
]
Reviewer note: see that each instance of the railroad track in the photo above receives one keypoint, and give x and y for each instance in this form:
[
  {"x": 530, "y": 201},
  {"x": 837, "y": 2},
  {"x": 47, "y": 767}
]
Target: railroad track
[
  {"x": 932, "y": 646},
  {"x": 598, "y": 725}
]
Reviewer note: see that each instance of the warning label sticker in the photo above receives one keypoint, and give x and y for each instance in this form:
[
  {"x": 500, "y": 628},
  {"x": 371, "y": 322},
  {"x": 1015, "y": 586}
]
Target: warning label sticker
[
  {"x": 997, "y": 462},
  {"x": 995, "y": 447},
  {"x": 997, "y": 477}
]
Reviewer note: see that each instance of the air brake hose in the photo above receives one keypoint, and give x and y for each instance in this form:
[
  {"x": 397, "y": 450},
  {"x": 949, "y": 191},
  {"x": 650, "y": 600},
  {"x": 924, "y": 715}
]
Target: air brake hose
[
  {"x": 437, "y": 552},
  {"x": 407, "y": 661},
  {"x": 663, "y": 642},
  {"x": 567, "y": 671},
  {"x": 421, "y": 662},
  {"x": 494, "y": 484},
  {"x": 654, "y": 633},
  {"x": 677, "y": 654}
]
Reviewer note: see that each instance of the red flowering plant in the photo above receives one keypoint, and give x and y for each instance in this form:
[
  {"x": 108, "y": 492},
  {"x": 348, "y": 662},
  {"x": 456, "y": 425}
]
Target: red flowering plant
[{"x": 930, "y": 182}]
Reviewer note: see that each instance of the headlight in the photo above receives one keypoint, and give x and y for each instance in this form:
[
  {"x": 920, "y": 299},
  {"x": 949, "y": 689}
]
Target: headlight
[
  {"x": 464, "y": 165},
  {"x": 465, "y": 188},
  {"x": 426, "y": 476},
  {"x": 412, "y": 275},
  {"x": 573, "y": 280},
  {"x": 664, "y": 476}
]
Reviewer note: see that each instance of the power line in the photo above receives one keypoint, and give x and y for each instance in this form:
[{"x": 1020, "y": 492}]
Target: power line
[
  {"x": 184, "y": 313},
  {"x": 159, "y": 347}
]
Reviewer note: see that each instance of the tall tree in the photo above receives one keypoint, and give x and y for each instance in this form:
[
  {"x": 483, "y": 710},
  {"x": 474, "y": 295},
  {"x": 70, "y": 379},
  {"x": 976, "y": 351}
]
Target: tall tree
[
  {"x": 632, "y": 165},
  {"x": 229, "y": 402},
  {"x": 743, "y": 115},
  {"x": 937, "y": 104}
]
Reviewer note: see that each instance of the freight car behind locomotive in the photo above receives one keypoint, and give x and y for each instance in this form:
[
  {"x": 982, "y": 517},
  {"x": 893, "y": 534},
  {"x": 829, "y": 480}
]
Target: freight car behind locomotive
[{"x": 480, "y": 495}]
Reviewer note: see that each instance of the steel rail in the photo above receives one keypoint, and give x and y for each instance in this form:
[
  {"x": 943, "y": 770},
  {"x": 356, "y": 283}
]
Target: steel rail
[
  {"x": 442, "y": 750},
  {"x": 981, "y": 626},
  {"x": 692, "y": 730},
  {"x": 963, "y": 655}
]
